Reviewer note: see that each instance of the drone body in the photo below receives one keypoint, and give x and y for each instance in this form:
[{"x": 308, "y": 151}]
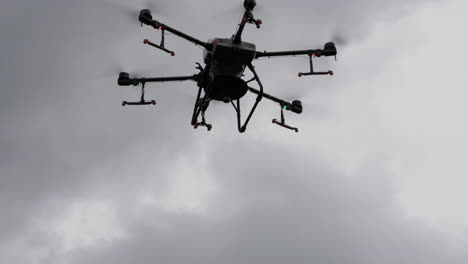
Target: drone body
[
  {"x": 225, "y": 61},
  {"x": 228, "y": 61}
]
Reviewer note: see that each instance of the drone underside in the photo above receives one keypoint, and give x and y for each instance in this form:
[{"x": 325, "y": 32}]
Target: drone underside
[{"x": 225, "y": 61}]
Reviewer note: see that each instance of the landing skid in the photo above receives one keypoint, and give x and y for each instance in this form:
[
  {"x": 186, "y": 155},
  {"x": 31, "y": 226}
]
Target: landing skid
[{"x": 283, "y": 122}]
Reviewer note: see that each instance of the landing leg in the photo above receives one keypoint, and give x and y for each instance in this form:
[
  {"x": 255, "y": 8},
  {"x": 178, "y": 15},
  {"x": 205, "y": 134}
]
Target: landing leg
[
  {"x": 258, "y": 99},
  {"x": 203, "y": 107},
  {"x": 283, "y": 123}
]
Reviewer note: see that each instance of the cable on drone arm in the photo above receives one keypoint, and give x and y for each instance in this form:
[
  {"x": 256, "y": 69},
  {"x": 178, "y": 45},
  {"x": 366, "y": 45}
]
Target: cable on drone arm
[{"x": 328, "y": 50}]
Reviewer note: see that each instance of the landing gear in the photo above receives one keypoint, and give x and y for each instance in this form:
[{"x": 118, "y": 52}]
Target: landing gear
[
  {"x": 283, "y": 122},
  {"x": 142, "y": 100},
  {"x": 203, "y": 104},
  {"x": 208, "y": 126}
]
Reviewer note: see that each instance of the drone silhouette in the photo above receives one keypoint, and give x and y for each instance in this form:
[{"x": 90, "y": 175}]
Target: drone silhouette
[{"x": 225, "y": 60}]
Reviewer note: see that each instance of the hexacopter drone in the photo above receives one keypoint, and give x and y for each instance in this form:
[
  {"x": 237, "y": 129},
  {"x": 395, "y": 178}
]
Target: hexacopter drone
[{"x": 221, "y": 78}]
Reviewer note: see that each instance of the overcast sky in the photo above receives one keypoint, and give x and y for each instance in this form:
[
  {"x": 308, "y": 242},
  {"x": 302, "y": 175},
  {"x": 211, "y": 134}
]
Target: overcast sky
[{"x": 377, "y": 173}]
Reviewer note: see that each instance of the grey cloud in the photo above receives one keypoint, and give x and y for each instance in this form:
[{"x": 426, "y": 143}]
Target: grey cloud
[
  {"x": 270, "y": 213},
  {"x": 61, "y": 121}
]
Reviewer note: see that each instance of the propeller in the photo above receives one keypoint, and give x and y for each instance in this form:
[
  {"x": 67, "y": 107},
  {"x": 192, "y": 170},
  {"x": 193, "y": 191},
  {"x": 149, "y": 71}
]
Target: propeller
[
  {"x": 109, "y": 69},
  {"x": 129, "y": 10},
  {"x": 111, "y": 72},
  {"x": 238, "y": 10},
  {"x": 311, "y": 108},
  {"x": 340, "y": 40},
  {"x": 341, "y": 37}
]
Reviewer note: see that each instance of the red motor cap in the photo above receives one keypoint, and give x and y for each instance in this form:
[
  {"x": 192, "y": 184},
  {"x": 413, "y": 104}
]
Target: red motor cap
[
  {"x": 145, "y": 41},
  {"x": 299, "y": 74},
  {"x": 172, "y": 53},
  {"x": 331, "y": 73}
]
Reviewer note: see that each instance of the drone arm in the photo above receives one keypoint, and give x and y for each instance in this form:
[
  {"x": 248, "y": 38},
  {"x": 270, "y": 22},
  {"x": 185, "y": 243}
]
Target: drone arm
[
  {"x": 284, "y": 104},
  {"x": 267, "y": 96},
  {"x": 328, "y": 50},
  {"x": 185, "y": 36},
  {"x": 146, "y": 18},
  {"x": 125, "y": 80},
  {"x": 170, "y": 79},
  {"x": 285, "y": 53}
]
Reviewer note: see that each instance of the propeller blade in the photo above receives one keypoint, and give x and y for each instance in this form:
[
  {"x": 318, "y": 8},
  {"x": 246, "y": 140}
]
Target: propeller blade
[
  {"x": 112, "y": 70},
  {"x": 131, "y": 11},
  {"x": 238, "y": 10},
  {"x": 341, "y": 38}
]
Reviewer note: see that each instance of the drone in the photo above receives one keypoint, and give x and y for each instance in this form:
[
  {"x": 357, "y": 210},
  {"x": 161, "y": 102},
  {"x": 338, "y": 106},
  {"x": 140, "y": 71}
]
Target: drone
[{"x": 220, "y": 79}]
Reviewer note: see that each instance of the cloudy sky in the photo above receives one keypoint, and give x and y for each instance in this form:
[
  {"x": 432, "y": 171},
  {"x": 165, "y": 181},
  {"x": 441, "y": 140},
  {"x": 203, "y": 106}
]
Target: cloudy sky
[{"x": 376, "y": 175}]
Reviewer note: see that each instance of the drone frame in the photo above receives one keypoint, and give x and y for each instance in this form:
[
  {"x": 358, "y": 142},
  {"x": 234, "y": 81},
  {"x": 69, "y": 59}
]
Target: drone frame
[{"x": 201, "y": 103}]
